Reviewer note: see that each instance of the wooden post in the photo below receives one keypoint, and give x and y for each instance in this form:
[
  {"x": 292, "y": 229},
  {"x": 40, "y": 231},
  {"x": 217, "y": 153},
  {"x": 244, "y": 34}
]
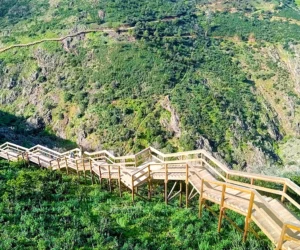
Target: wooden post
[
  {"x": 201, "y": 199},
  {"x": 222, "y": 212},
  {"x": 39, "y": 161},
  {"x": 166, "y": 193},
  {"x": 135, "y": 161},
  {"x": 50, "y": 165},
  {"x": 281, "y": 239},
  {"x": 248, "y": 217},
  {"x": 23, "y": 159},
  {"x": 166, "y": 184},
  {"x": 67, "y": 165},
  {"x": 109, "y": 178},
  {"x": 91, "y": 171},
  {"x": 8, "y": 157},
  {"x": 187, "y": 187},
  {"x": 180, "y": 194},
  {"x": 27, "y": 158},
  {"x": 149, "y": 182},
  {"x": 283, "y": 192},
  {"x": 58, "y": 164},
  {"x": 132, "y": 187},
  {"x": 77, "y": 169},
  {"x": 221, "y": 207},
  {"x": 100, "y": 179},
  {"x": 119, "y": 181},
  {"x": 84, "y": 169},
  {"x": 149, "y": 189},
  {"x": 252, "y": 181}
]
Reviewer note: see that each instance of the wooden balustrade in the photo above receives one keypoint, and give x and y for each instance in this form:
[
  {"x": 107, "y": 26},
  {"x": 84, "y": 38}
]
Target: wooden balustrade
[
  {"x": 227, "y": 175},
  {"x": 284, "y": 236},
  {"x": 182, "y": 165},
  {"x": 224, "y": 205},
  {"x": 197, "y": 156}
]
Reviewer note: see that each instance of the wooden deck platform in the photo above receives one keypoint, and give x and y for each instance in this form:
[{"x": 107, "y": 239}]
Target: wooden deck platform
[{"x": 210, "y": 181}]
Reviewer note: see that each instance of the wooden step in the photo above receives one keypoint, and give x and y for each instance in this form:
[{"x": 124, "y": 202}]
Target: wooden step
[
  {"x": 267, "y": 198},
  {"x": 282, "y": 211},
  {"x": 289, "y": 245},
  {"x": 269, "y": 216}
]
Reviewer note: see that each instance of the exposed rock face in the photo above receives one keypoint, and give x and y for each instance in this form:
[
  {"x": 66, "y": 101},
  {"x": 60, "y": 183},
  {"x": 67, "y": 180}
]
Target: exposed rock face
[
  {"x": 101, "y": 14},
  {"x": 293, "y": 65},
  {"x": 11, "y": 83},
  {"x": 36, "y": 122},
  {"x": 174, "y": 124},
  {"x": 203, "y": 143},
  {"x": 70, "y": 43}
]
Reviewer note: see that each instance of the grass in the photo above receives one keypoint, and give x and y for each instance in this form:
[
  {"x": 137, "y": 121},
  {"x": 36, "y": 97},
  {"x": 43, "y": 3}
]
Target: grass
[{"x": 41, "y": 209}]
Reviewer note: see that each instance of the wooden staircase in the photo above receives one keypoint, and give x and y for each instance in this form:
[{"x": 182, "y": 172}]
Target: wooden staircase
[{"x": 210, "y": 179}]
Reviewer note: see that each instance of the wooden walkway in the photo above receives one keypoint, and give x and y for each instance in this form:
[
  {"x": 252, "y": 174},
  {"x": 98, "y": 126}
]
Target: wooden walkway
[{"x": 261, "y": 199}]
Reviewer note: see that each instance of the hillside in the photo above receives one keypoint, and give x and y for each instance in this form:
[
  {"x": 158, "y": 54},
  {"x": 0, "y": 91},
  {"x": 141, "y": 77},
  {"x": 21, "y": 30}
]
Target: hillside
[
  {"x": 219, "y": 75},
  {"x": 50, "y": 210}
]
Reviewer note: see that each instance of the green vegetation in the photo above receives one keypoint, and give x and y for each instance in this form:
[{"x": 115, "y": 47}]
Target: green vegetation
[
  {"x": 107, "y": 90},
  {"x": 187, "y": 74},
  {"x": 42, "y": 210},
  {"x": 263, "y": 30},
  {"x": 290, "y": 13}
]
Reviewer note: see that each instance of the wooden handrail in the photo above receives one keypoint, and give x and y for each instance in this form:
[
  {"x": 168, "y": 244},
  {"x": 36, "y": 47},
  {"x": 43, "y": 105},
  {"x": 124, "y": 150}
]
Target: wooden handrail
[
  {"x": 202, "y": 157},
  {"x": 170, "y": 163},
  {"x": 228, "y": 185},
  {"x": 286, "y": 183},
  {"x": 284, "y": 236},
  {"x": 13, "y": 145}
]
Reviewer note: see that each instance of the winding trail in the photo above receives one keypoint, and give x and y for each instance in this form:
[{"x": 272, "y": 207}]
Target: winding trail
[
  {"x": 123, "y": 28},
  {"x": 59, "y": 39}
]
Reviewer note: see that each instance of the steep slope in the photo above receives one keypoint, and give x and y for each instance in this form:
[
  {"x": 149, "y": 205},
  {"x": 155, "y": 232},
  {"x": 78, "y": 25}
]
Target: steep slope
[{"x": 174, "y": 74}]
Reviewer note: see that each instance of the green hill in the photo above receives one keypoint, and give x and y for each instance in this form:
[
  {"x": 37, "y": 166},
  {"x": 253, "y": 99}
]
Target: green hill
[{"x": 223, "y": 75}]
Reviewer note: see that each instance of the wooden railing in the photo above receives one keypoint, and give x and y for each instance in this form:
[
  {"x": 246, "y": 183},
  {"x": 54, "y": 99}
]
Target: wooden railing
[
  {"x": 285, "y": 236},
  {"x": 268, "y": 184},
  {"x": 242, "y": 181},
  {"x": 39, "y": 151},
  {"x": 12, "y": 151},
  {"x": 128, "y": 160},
  {"x": 223, "y": 204},
  {"x": 283, "y": 187},
  {"x": 142, "y": 156},
  {"x": 13, "y": 147},
  {"x": 254, "y": 181},
  {"x": 275, "y": 185},
  {"x": 141, "y": 172},
  {"x": 74, "y": 153}
]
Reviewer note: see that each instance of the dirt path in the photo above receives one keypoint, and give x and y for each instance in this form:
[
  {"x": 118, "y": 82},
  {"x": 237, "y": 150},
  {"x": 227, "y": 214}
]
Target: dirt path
[
  {"x": 59, "y": 39},
  {"x": 62, "y": 38}
]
